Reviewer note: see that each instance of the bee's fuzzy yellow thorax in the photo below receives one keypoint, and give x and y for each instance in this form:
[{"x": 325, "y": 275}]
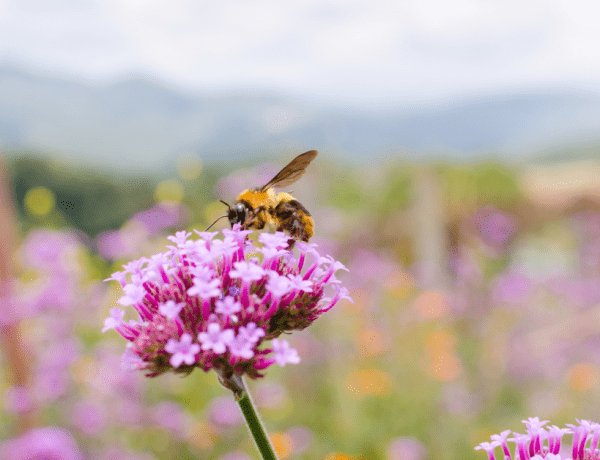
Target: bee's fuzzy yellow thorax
[{"x": 257, "y": 198}]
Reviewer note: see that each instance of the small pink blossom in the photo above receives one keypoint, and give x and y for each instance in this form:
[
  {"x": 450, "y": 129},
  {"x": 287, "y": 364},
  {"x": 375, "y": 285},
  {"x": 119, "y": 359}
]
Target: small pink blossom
[
  {"x": 247, "y": 271},
  {"x": 228, "y": 306},
  {"x": 215, "y": 339},
  {"x": 279, "y": 285},
  {"x": 170, "y": 309},
  {"x": 133, "y": 294},
  {"x": 284, "y": 353},
  {"x": 205, "y": 289},
  {"x": 180, "y": 237},
  {"x": 299, "y": 283},
  {"x": 115, "y": 318},
  {"x": 183, "y": 351},
  {"x": 241, "y": 346},
  {"x": 489, "y": 448},
  {"x": 251, "y": 332},
  {"x": 274, "y": 240}
]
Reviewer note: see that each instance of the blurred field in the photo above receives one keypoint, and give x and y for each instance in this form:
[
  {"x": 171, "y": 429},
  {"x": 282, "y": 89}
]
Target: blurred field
[{"x": 476, "y": 294}]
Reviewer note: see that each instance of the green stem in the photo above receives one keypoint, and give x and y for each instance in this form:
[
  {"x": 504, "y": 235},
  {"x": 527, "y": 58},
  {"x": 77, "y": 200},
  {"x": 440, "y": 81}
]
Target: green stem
[{"x": 255, "y": 425}]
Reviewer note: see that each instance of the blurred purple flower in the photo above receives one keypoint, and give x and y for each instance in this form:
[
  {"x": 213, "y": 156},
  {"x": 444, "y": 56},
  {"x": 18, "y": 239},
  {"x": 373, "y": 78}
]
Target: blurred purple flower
[
  {"x": 40, "y": 444},
  {"x": 117, "y": 244},
  {"x": 129, "y": 412},
  {"x": 170, "y": 416},
  {"x": 48, "y": 250},
  {"x": 237, "y": 455},
  {"x": 270, "y": 395},
  {"x": 513, "y": 287},
  {"x": 58, "y": 292},
  {"x": 302, "y": 438},
  {"x": 581, "y": 292},
  {"x": 50, "y": 383},
  {"x": 494, "y": 227},
  {"x": 162, "y": 216},
  {"x": 17, "y": 400},
  {"x": 224, "y": 411},
  {"x": 111, "y": 380},
  {"x": 368, "y": 268},
  {"x": 89, "y": 417},
  {"x": 60, "y": 353},
  {"x": 406, "y": 449}
]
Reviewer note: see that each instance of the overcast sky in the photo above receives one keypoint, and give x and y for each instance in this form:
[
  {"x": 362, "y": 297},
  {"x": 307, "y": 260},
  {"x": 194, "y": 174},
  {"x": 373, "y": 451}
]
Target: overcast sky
[{"x": 352, "y": 51}]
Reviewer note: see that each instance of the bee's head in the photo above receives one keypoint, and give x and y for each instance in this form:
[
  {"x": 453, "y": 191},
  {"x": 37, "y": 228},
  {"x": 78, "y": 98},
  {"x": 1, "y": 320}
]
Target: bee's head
[{"x": 237, "y": 214}]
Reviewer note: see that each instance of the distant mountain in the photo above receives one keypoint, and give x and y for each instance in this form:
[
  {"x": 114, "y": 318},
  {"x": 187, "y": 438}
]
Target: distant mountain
[{"x": 140, "y": 124}]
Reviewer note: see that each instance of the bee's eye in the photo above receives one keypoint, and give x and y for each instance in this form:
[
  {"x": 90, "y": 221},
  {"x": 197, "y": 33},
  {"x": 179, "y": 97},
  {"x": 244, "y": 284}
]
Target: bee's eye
[{"x": 237, "y": 215}]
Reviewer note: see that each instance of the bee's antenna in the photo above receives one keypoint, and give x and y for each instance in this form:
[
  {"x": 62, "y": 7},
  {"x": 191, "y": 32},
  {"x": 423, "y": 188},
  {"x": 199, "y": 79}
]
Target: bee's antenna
[{"x": 218, "y": 219}]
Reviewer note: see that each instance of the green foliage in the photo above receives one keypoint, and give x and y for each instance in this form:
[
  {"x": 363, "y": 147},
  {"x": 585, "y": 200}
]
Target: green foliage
[
  {"x": 89, "y": 200},
  {"x": 481, "y": 183}
]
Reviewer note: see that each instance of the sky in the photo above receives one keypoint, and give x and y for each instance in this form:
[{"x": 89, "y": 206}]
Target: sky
[{"x": 363, "y": 52}]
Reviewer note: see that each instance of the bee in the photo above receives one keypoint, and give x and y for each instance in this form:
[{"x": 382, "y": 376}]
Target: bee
[{"x": 255, "y": 208}]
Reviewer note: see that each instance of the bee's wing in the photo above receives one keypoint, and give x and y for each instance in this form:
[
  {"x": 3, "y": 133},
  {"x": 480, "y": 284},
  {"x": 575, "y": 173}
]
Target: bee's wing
[{"x": 292, "y": 172}]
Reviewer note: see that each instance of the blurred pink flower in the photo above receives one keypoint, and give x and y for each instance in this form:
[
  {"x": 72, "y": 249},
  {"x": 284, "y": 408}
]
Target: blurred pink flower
[
  {"x": 162, "y": 216},
  {"x": 494, "y": 228},
  {"x": 48, "y": 250},
  {"x": 368, "y": 269},
  {"x": 129, "y": 412},
  {"x": 117, "y": 244},
  {"x": 302, "y": 438},
  {"x": 41, "y": 443},
  {"x": 224, "y": 411},
  {"x": 237, "y": 455},
  {"x": 50, "y": 383},
  {"x": 513, "y": 287},
  {"x": 270, "y": 394},
  {"x": 580, "y": 292},
  {"x": 404, "y": 448},
  {"x": 89, "y": 417},
  {"x": 170, "y": 416},
  {"x": 17, "y": 400}
]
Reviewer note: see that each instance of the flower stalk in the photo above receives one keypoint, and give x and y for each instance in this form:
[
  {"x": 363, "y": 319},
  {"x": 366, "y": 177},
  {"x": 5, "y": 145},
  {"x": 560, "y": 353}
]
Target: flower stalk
[{"x": 255, "y": 426}]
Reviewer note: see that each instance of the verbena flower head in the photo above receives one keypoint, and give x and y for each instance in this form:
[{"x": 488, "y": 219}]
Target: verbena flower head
[
  {"x": 544, "y": 442},
  {"x": 212, "y": 303}
]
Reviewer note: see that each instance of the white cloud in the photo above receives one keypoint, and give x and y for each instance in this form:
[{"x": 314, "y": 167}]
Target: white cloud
[{"x": 347, "y": 49}]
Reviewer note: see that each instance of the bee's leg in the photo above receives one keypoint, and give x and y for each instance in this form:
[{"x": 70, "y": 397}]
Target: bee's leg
[{"x": 255, "y": 219}]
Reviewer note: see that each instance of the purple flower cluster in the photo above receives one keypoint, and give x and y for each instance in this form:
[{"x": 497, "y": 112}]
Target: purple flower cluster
[
  {"x": 41, "y": 443},
  {"x": 542, "y": 442},
  {"x": 212, "y": 303},
  {"x": 494, "y": 227}
]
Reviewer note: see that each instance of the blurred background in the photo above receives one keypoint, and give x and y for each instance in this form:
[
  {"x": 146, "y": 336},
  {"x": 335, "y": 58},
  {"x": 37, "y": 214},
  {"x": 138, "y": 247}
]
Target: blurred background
[{"x": 458, "y": 179}]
